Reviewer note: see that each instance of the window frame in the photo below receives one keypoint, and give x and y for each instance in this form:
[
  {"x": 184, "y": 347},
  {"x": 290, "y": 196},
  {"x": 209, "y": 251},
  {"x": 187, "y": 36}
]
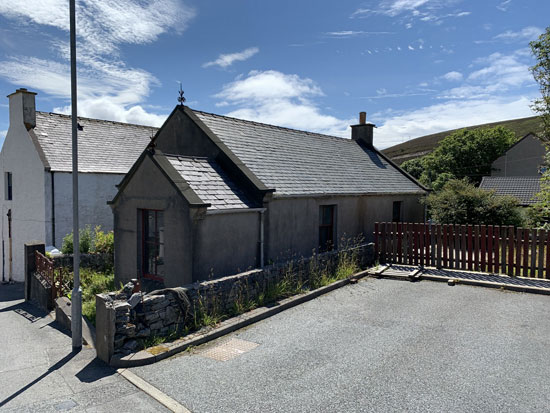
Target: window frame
[
  {"x": 400, "y": 212},
  {"x": 8, "y": 186},
  {"x": 329, "y": 227}
]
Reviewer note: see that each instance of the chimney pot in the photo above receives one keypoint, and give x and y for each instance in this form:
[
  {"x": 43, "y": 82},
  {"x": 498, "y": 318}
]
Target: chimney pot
[{"x": 363, "y": 131}]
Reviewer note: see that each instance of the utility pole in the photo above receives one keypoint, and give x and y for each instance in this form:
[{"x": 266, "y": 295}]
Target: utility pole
[{"x": 76, "y": 296}]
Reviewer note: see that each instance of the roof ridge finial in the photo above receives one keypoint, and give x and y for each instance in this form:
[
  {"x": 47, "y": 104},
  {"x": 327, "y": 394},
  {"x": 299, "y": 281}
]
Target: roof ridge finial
[{"x": 181, "y": 98}]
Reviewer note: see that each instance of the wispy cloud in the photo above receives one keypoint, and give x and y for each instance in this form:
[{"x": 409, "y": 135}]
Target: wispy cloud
[
  {"x": 353, "y": 33},
  {"x": 526, "y": 34},
  {"x": 108, "y": 88},
  {"x": 448, "y": 115},
  {"x": 226, "y": 60},
  {"x": 498, "y": 87},
  {"x": 422, "y": 10},
  {"x": 503, "y": 6},
  {"x": 453, "y": 76},
  {"x": 280, "y": 99}
]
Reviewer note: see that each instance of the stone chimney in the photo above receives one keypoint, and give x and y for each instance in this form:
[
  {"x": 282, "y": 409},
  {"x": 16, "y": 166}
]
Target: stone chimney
[
  {"x": 23, "y": 108},
  {"x": 363, "y": 132}
]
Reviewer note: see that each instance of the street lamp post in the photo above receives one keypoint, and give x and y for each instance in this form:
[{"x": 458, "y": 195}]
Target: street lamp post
[{"x": 76, "y": 296}]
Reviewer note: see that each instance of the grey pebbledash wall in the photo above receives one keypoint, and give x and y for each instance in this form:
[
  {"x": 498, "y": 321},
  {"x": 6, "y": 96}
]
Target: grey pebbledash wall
[{"x": 123, "y": 318}]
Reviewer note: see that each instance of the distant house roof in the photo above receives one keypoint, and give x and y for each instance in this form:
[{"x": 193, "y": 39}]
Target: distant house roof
[
  {"x": 524, "y": 188},
  {"x": 297, "y": 163},
  {"x": 104, "y": 146},
  {"x": 211, "y": 184}
]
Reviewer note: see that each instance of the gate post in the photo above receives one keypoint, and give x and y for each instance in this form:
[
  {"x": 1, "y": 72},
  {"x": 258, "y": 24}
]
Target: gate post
[{"x": 30, "y": 263}]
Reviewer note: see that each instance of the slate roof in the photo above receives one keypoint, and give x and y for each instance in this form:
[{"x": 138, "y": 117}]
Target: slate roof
[
  {"x": 208, "y": 180},
  {"x": 524, "y": 188},
  {"x": 303, "y": 163},
  {"x": 104, "y": 146}
]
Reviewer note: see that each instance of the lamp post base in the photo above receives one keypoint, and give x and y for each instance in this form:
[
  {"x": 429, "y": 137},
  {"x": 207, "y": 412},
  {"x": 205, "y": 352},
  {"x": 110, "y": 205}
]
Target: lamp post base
[{"x": 76, "y": 318}]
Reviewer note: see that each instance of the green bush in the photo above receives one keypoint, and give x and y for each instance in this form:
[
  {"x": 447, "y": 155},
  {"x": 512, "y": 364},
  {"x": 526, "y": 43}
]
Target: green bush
[
  {"x": 460, "y": 202},
  {"x": 97, "y": 241},
  {"x": 104, "y": 242}
]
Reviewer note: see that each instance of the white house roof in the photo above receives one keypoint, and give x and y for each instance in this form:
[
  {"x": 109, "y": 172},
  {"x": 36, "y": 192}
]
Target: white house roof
[{"x": 103, "y": 146}]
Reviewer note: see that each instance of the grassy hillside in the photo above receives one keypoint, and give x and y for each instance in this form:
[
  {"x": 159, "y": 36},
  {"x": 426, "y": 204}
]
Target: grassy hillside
[{"x": 425, "y": 144}]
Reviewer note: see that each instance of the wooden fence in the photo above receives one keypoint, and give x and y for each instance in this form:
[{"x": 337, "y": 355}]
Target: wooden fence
[
  {"x": 486, "y": 248},
  {"x": 55, "y": 276}
]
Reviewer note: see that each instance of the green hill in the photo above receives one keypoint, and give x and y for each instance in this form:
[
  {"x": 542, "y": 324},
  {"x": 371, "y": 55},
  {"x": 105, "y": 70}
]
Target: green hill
[{"x": 418, "y": 147}]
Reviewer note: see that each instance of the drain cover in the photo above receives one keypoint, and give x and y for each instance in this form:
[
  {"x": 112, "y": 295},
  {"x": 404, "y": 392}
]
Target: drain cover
[{"x": 228, "y": 350}]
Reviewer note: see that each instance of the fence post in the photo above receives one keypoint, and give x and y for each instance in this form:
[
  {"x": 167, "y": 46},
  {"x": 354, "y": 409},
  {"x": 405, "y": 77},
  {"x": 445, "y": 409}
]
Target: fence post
[
  {"x": 422, "y": 239},
  {"x": 383, "y": 243},
  {"x": 30, "y": 263},
  {"x": 525, "y": 252},
  {"x": 483, "y": 242},
  {"x": 511, "y": 253},
  {"x": 399, "y": 242},
  {"x": 376, "y": 241},
  {"x": 533, "y": 269},
  {"x": 542, "y": 239}
]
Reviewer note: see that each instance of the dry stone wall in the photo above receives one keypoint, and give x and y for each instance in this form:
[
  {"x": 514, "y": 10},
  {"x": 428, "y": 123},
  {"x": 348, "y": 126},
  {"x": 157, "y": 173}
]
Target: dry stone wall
[{"x": 127, "y": 317}]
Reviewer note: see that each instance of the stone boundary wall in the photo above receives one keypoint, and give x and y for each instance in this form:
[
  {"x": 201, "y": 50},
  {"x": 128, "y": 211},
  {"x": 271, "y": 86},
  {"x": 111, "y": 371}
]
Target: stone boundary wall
[
  {"x": 98, "y": 262},
  {"x": 124, "y": 317}
]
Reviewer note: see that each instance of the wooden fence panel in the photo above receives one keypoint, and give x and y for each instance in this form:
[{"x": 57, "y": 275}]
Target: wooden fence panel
[
  {"x": 497, "y": 248},
  {"x": 486, "y": 248},
  {"x": 540, "y": 247},
  {"x": 525, "y": 252}
]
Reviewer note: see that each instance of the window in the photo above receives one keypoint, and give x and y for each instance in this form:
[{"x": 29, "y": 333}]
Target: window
[
  {"x": 152, "y": 244},
  {"x": 326, "y": 227},
  {"x": 396, "y": 216},
  {"x": 8, "y": 185}
]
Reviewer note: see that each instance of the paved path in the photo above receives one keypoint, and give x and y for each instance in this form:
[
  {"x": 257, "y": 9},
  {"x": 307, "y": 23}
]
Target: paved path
[
  {"x": 39, "y": 373},
  {"x": 380, "y": 345},
  {"x": 472, "y": 276}
]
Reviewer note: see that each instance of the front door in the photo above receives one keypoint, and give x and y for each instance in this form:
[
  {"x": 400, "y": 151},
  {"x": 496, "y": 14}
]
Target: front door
[{"x": 152, "y": 244}]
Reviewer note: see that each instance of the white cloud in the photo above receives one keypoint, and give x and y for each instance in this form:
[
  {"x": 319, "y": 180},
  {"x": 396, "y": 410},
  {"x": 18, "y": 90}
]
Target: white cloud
[
  {"x": 526, "y": 34},
  {"x": 105, "y": 91},
  {"x": 103, "y": 25},
  {"x": 352, "y": 33},
  {"x": 107, "y": 88},
  {"x": 504, "y": 5},
  {"x": 449, "y": 115},
  {"x": 499, "y": 87},
  {"x": 453, "y": 76},
  {"x": 281, "y": 99},
  {"x": 423, "y": 10},
  {"x": 225, "y": 60}
]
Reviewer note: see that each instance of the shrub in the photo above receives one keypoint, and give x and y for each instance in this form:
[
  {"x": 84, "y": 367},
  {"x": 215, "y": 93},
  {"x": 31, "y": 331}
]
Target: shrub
[
  {"x": 96, "y": 242},
  {"x": 104, "y": 242},
  {"x": 459, "y": 202}
]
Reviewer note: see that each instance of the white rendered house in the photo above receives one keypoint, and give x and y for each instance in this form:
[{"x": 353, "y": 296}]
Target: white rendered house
[{"x": 36, "y": 184}]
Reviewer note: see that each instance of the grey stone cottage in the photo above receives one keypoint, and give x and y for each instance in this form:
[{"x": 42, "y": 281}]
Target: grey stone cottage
[{"x": 213, "y": 195}]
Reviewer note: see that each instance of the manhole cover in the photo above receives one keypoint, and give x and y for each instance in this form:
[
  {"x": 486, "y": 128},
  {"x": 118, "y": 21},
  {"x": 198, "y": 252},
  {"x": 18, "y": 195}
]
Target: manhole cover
[{"x": 228, "y": 349}]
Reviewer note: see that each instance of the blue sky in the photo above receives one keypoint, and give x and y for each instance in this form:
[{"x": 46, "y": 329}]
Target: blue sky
[{"x": 416, "y": 66}]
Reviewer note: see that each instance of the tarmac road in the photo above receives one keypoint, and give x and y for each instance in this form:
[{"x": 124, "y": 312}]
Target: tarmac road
[{"x": 380, "y": 346}]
